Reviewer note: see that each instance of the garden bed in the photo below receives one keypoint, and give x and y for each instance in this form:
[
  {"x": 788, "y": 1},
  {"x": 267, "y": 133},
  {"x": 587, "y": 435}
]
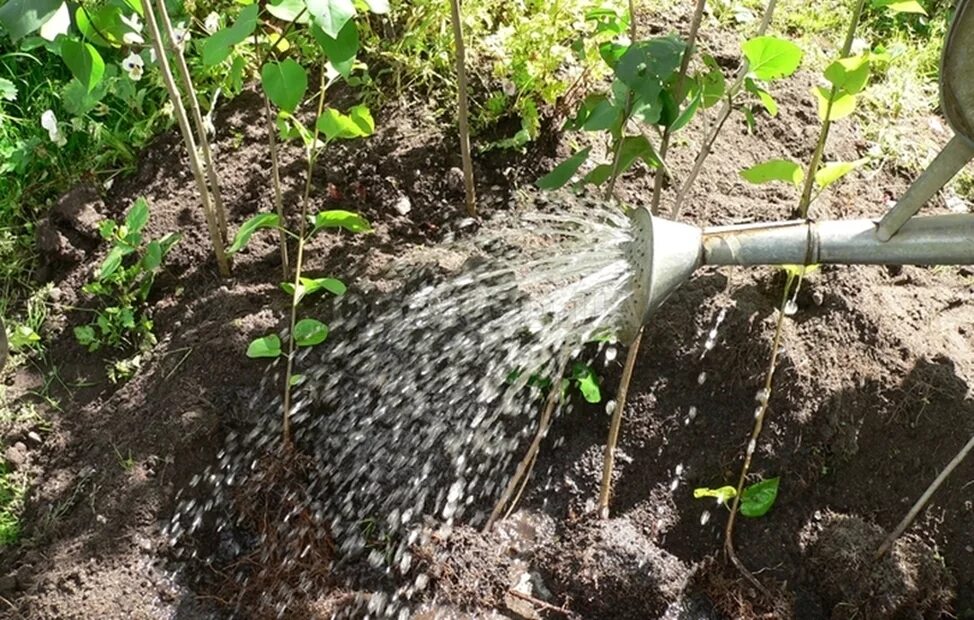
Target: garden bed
[{"x": 871, "y": 399}]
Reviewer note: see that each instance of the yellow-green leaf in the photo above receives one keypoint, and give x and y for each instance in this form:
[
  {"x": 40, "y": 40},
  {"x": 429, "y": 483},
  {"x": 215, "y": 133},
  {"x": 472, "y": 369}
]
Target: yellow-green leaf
[
  {"x": 722, "y": 495},
  {"x": 833, "y": 171},
  {"x": 901, "y": 6},
  {"x": 775, "y": 170},
  {"x": 842, "y": 105},
  {"x": 771, "y": 58},
  {"x": 849, "y": 74}
]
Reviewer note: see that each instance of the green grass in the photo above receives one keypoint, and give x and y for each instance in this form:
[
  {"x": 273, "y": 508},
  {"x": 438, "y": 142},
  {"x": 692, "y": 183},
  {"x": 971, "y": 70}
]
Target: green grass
[{"x": 11, "y": 502}]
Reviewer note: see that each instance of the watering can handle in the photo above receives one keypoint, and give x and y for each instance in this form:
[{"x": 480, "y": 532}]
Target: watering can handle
[{"x": 948, "y": 162}]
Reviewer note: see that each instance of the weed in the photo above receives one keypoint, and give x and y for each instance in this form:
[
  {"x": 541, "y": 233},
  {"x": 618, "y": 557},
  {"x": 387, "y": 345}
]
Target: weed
[
  {"x": 12, "y": 492},
  {"x": 122, "y": 284}
]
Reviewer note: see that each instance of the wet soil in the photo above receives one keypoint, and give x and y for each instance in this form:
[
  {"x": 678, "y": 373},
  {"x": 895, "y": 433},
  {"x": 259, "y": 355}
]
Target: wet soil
[{"x": 871, "y": 398}]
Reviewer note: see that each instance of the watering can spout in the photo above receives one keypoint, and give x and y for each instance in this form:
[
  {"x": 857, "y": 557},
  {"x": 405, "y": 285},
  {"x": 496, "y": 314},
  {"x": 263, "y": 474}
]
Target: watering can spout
[{"x": 664, "y": 254}]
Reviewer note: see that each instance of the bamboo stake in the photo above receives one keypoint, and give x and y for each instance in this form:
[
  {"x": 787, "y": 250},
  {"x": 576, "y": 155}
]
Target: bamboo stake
[
  {"x": 463, "y": 111},
  {"x": 212, "y": 224}
]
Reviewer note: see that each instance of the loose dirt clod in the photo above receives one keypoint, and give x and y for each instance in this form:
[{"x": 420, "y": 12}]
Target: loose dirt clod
[
  {"x": 611, "y": 570},
  {"x": 910, "y": 581}
]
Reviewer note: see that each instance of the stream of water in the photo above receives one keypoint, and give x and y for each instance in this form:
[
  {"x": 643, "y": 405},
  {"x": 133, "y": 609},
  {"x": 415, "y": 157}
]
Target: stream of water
[{"x": 419, "y": 406}]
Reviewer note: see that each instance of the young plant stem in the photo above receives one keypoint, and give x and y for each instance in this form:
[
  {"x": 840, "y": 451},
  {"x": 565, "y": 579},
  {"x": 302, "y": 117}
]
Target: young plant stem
[
  {"x": 462, "y": 112},
  {"x": 520, "y": 478},
  {"x": 823, "y": 133},
  {"x": 194, "y": 106},
  {"x": 681, "y": 77},
  {"x": 608, "y": 458},
  {"x": 275, "y": 166},
  {"x": 752, "y": 444},
  {"x": 721, "y": 118},
  {"x": 298, "y": 263},
  {"x": 627, "y": 112},
  {"x": 216, "y": 238},
  {"x": 920, "y": 503}
]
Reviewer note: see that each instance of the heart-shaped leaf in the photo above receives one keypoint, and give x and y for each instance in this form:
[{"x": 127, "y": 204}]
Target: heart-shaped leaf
[
  {"x": 757, "y": 499},
  {"x": 84, "y": 61},
  {"x": 771, "y": 58},
  {"x": 309, "y": 332},
  {"x": 331, "y": 15},
  {"x": 217, "y": 46},
  {"x": 340, "y": 50},
  {"x": 267, "y": 346},
  {"x": 774, "y": 170},
  {"x": 285, "y": 83}
]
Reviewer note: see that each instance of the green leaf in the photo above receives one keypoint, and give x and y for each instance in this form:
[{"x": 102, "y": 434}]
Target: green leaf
[
  {"x": 285, "y": 83},
  {"x": 605, "y": 115},
  {"x": 138, "y": 216},
  {"x": 153, "y": 256},
  {"x": 22, "y": 17},
  {"x": 289, "y": 10},
  {"x": 248, "y": 228},
  {"x": 757, "y": 499},
  {"x": 833, "y": 171},
  {"x": 114, "y": 260},
  {"x": 101, "y": 25},
  {"x": 713, "y": 85},
  {"x": 768, "y": 102},
  {"x": 8, "y": 90},
  {"x": 78, "y": 101},
  {"x": 340, "y": 50},
  {"x": 268, "y": 346},
  {"x": 647, "y": 64},
  {"x": 598, "y": 175},
  {"x": 774, "y": 170},
  {"x": 771, "y": 58},
  {"x": 637, "y": 147},
  {"x": 216, "y": 47},
  {"x": 842, "y": 105},
  {"x": 357, "y": 124},
  {"x": 85, "y": 335},
  {"x": 310, "y": 286},
  {"x": 295, "y": 379},
  {"x": 849, "y": 74},
  {"x": 338, "y": 218},
  {"x": 900, "y": 6},
  {"x": 722, "y": 495},
  {"x": 309, "y": 332},
  {"x": 168, "y": 241},
  {"x": 84, "y": 61},
  {"x": 331, "y": 15},
  {"x": 562, "y": 173},
  {"x": 588, "y": 383},
  {"x": 687, "y": 114}
]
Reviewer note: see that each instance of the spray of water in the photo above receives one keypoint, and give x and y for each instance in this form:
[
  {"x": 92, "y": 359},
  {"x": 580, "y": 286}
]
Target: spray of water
[{"x": 414, "y": 413}]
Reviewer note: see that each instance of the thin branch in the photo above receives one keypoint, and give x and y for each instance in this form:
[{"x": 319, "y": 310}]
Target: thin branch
[
  {"x": 211, "y": 221},
  {"x": 722, "y": 116},
  {"x": 920, "y": 503},
  {"x": 194, "y": 106},
  {"x": 462, "y": 111},
  {"x": 681, "y": 77},
  {"x": 302, "y": 229},
  {"x": 823, "y": 134},
  {"x": 608, "y": 458},
  {"x": 275, "y": 168}
]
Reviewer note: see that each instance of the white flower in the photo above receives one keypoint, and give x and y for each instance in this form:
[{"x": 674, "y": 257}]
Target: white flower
[
  {"x": 133, "y": 22},
  {"x": 132, "y": 38},
  {"x": 212, "y": 22},
  {"x": 49, "y": 122},
  {"x": 134, "y": 66},
  {"x": 180, "y": 35}
]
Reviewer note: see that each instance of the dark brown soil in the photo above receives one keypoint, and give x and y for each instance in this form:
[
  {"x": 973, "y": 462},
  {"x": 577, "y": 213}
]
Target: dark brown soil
[{"x": 871, "y": 399}]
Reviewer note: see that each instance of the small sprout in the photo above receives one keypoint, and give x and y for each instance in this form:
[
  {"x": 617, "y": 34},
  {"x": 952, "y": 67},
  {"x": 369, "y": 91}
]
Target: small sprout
[
  {"x": 757, "y": 499},
  {"x": 722, "y": 494}
]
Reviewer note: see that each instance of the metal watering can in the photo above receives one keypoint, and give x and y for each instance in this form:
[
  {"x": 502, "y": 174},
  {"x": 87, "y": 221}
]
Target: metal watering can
[{"x": 666, "y": 253}]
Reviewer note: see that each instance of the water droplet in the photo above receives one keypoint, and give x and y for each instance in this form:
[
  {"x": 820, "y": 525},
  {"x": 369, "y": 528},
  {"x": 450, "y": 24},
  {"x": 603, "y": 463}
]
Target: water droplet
[
  {"x": 704, "y": 517},
  {"x": 762, "y": 396},
  {"x": 610, "y": 407},
  {"x": 610, "y": 353},
  {"x": 790, "y": 307},
  {"x": 702, "y": 378}
]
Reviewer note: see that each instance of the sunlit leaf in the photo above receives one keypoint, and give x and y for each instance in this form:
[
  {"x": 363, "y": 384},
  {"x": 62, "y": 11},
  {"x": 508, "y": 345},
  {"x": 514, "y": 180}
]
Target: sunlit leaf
[
  {"x": 722, "y": 495},
  {"x": 309, "y": 286},
  {"x": 331, "y": 15},
  {"x": 337, "y": 218},
  {"x": 833, "y": 171},
  {"x": 57, "y": 24},
  {"x": 84, "y": 61},
  {"x": 379, "y": 7},
  {"x": 901, "y": 6},
  {"x": 563, "y": 172},
  {"x": 771, "y": 58},
  {"x": 843, "y": 104},
  {"x": 340, "y": 50},
  {"x": 138, "y": 215},
  {"x": 357, "y": 123},
  {"x": 268, "y": 346},
  {"x": 712, "y": 84},
  {"x": 19, "y": 18},
  {"x": 285, "y": 83},
  {"x": 757, "y": 499},
  {"x": 216, "y": 47},
  {"x": 849, "y": 74},
  {"x": 8, "y": 90},
  {"x": 309, "y": 332},
  {"x": 648, "y": 64},
  {"x": 248, "y": 228},
  {"x": 587, "y": 382},
  {"x": 289, "y": 11},
  {"x": 775, "y": 170}
]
